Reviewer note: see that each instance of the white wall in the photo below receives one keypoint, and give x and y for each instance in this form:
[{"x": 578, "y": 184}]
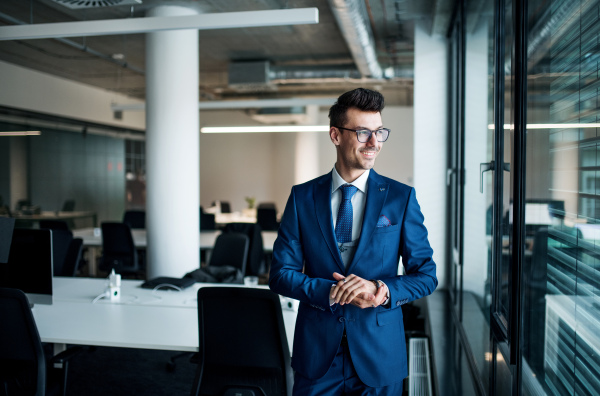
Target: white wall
[
  {"x": 430, "y": 138},
  {"x": 40, "y": 92},
  {"x": 264, "y": 165}
]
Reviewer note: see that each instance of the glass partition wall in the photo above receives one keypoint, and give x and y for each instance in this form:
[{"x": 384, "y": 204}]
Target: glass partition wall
[
  {"x": 561, "y": 276},
  {"x": 524, "y": 186}
]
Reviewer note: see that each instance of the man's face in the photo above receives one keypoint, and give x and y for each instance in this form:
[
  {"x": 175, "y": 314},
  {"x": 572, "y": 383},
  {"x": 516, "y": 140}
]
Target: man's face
[{"x": 353, "y": 157}]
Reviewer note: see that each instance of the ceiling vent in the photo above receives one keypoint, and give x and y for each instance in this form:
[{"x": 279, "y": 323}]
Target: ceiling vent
[
  {"x": 79, "y": 4},
  {"x": 280, "y": 115},
  {"x": 250, "y": 76}
]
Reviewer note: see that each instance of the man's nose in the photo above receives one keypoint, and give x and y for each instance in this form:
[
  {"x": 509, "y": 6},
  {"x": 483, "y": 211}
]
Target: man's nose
[{"x": 372, "y": 141}]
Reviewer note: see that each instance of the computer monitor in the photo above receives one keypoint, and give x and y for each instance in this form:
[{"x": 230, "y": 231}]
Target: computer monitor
[{"x": 29, "y": 266}]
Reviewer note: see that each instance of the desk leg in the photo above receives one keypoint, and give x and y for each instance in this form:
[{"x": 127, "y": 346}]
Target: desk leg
[
  {"x": 92, "y": 261},
  {"x": 58, "y": 348}
]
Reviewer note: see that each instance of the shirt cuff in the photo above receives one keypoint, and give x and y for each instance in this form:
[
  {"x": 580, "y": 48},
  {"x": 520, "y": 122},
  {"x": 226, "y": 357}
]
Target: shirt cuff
[{"x": 387, "y": 298}]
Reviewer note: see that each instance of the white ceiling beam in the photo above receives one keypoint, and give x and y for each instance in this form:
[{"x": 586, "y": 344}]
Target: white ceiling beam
[
  {"x": 239, "y": 104},
  {"x": 225, "y": 20}
]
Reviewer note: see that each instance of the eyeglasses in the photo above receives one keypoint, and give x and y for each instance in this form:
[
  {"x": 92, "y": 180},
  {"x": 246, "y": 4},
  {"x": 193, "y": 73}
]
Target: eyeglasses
[{"x": 363, "y": 135}]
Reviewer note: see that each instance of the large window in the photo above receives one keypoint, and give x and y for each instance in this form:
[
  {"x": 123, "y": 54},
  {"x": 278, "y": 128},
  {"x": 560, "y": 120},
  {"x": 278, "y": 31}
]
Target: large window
[{"x": 561, "y": 275}]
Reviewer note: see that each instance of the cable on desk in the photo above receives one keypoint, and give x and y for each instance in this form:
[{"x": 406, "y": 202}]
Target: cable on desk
[
  {"x": 169, "y": 285},
  {"x": 100, "y": 297}
]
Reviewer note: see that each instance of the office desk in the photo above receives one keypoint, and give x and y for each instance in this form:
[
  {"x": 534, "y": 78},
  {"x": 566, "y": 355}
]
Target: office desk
[
  {"x": 47, "y": 215},
  {"x": 93, "y": 242},
  {"x": 166, "y": 320}
]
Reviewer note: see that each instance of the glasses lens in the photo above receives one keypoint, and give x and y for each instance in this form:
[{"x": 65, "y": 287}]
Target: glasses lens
[
  {"x": 382, "y": 134},
  {"x": 363, "y": 135}
]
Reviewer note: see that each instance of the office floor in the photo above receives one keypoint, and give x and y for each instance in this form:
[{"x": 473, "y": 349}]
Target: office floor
[{"x": 122, "y": 371}]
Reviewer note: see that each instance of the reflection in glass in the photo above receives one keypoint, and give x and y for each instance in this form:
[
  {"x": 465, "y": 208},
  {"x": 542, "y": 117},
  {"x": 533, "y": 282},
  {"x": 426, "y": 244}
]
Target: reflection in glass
[
  {"x": 478, "y": 188},
  {"x": 561, "y": 276}
]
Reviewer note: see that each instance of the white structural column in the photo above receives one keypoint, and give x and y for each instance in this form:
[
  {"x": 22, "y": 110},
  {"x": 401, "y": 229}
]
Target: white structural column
[
  {"x": 307, "y": 149},
  {"x": 172, "y": 148},
  {"x": 430, "y": 137}
]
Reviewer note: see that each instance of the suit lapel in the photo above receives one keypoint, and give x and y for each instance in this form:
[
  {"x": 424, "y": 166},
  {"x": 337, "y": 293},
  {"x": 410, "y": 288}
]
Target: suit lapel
[
  {"x": 322, "y": 199},
  {"x": 376, "y": 195}
]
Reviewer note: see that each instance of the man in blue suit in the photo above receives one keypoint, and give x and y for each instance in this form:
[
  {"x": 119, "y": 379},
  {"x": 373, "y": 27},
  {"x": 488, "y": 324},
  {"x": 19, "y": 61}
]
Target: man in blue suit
[{"x": 338, "y": 250}]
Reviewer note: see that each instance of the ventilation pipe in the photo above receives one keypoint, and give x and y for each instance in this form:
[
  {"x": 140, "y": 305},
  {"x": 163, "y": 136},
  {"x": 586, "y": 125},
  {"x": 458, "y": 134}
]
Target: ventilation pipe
[{"x": 353, "y": 22}]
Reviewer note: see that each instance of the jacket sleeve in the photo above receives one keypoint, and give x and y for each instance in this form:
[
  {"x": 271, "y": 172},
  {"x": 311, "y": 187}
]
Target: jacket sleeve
[
  {"x": 286, "y": 275},
  {"x": 419, "y": 279}
]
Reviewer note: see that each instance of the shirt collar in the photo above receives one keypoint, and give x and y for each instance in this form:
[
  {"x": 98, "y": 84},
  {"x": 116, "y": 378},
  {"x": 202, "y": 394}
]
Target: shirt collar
[{"x": 360, "y": 183}]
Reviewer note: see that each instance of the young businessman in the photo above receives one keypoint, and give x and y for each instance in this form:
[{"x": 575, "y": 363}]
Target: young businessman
[{"x": 341, "y": 238}]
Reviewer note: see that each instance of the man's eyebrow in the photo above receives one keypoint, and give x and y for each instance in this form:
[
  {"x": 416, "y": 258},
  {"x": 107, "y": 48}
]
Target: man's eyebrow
[{"x": 362, "y": 127}]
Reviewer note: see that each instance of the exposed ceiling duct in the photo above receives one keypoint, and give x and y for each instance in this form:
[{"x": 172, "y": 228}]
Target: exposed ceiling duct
[
  {"x": 78, "y": 4},
  {"x": 353, "y": 22}
]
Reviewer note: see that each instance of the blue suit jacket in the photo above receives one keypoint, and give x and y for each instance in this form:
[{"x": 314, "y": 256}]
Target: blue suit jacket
[{"x": 305, "y": 256}]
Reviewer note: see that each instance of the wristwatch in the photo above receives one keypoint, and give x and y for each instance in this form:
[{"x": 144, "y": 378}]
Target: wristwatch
[{"x": 377, "y": 284}]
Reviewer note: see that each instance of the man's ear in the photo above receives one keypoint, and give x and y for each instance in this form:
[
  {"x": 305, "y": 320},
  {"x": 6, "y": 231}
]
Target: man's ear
[{"x": 334, "y": 134}]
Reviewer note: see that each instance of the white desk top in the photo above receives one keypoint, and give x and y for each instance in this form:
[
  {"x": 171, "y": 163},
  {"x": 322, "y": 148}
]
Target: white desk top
[
  {"x": 207, "y": 238},
  {"x": 142, "y": 319}
]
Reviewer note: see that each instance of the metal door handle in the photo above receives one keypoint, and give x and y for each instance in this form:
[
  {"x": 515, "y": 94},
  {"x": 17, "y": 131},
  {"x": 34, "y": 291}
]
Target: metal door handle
[
  {"x": 488, "y": 166},
  {"x": 484, "y": 167}
]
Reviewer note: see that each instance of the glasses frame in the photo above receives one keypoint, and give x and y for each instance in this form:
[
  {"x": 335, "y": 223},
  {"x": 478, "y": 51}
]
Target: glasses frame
[{"x": 370, "y": 133}]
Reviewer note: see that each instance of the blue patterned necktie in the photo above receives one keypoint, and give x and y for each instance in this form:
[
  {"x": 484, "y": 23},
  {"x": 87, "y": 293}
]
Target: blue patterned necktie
[{"x": 343, "y": 225}]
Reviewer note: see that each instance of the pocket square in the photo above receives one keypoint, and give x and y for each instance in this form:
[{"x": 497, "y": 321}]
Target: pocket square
[{"x": 383, "y": 221}]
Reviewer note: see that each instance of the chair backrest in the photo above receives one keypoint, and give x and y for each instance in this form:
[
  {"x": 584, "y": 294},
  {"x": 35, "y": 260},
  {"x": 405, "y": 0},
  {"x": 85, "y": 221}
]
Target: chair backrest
[
  {"x": 224, "y": 205},
  {"x": 118, "y": 249},
  {"x": 68, "y": 205},
  {"x": 61, "y": 240},
  {"x": 22, "y": 363},
  {"x": 256, "y": 250},
  {"x": 231, "y": 249},
  {"x": 135, "y": 218},
  {"x": 21, "y": 203},
  {"x": 242, "y": 342},
  {"x": 72, "y": 258},
  {"x": 207, "y": 221},
  {"x": 54, "y": 224},
  {"x": 266, "y": 217}
]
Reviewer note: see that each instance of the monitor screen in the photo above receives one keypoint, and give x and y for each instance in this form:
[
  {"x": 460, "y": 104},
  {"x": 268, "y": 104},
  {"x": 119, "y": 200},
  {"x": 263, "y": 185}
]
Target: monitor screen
[{"x": 29, "y": 266}]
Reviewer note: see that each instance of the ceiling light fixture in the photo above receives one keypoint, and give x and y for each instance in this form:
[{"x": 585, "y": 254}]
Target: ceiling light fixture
[
  {"x": 551, "y": 126},
  {"x": 222, "y": 20},
  {"x": 21, "y": 133},
  {"x": 270, "y": 128}
]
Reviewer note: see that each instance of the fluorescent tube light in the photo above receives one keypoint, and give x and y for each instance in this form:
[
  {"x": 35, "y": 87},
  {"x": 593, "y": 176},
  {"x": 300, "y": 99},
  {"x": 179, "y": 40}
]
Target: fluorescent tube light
[
  {"x": 551, "y": 126},
  {"x": 222, "y": 20},
  {"x": 21, "y": 133},
  {"x": 267, "y": 128}
]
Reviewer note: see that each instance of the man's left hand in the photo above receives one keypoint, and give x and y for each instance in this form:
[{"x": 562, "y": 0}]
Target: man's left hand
[{"x": 357, "y": 291}]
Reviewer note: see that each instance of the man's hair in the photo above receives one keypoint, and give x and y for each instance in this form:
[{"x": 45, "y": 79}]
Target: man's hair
[{"x": 361, "y": 98}]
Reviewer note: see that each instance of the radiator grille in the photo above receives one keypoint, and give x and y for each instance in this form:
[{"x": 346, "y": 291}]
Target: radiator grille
[{"x": 419, "y": 368}]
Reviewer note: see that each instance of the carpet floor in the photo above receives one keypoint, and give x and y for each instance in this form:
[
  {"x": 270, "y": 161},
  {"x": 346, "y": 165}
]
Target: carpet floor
[{"x": 122, "y": 371}]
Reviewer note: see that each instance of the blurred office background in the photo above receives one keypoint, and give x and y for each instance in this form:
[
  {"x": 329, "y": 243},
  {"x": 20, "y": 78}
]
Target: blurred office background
[{"x": 493, "y": 107}]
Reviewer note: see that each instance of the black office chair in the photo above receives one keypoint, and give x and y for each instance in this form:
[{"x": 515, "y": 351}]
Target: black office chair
[
  {"x": 22, "y": 362},
  {"x": 22, "y": 203},
  {"x": 135, "y": 219},
  {"x": 68, "y": 205},
  {"x": 23, "y": 367},
  {"x": 61, "y": 242},
  {"x": 207, "y": 221},
  {"x": 54, "y": 224},
  {"x": 256, "y": 252},
  {"x": 243, "y": 345},
  {"x": 118, "y": 249},
  {"x": 231, "y": 249},
  {"x": 73, "y": 258},
  {"x": 225, "y": 206},
  {"x": 266, "y": 217}
]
